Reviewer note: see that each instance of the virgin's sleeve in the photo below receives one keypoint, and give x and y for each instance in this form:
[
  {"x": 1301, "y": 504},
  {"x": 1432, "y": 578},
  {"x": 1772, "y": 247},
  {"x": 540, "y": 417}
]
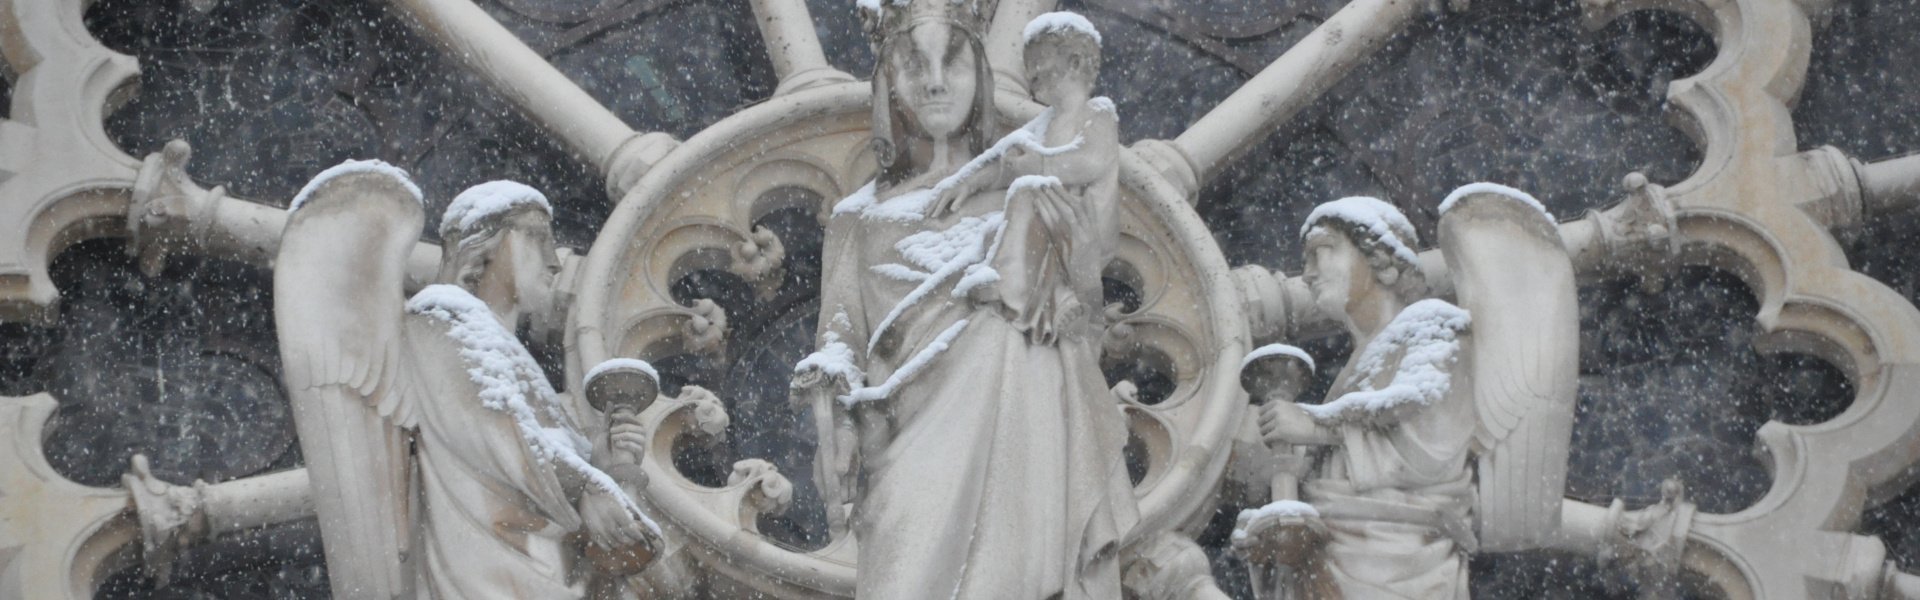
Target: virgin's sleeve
[{"x": 843, "y": 310}]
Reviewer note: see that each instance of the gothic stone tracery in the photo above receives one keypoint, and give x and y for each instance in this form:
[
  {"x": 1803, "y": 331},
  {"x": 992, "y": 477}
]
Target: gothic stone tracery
[{"x": 1758, "y": 205}]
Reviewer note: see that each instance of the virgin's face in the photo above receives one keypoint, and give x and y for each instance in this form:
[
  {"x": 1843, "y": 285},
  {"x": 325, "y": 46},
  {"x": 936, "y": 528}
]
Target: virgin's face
[
  {"x": 1334, "y": 268},
  {"x": 934, "y": 77}
]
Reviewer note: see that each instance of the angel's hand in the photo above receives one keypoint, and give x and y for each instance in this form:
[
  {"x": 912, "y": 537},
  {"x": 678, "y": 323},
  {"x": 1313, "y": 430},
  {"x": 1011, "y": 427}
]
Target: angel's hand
[
  {"x": 1285, "y": 423},
  {"x": 629, "y": 437},
  {"x": 609, "y": 523}
]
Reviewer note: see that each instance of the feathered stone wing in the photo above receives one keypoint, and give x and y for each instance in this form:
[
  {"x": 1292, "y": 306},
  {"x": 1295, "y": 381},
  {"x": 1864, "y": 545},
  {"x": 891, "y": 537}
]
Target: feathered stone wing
[
  {"x": 1512, "y": 273},
  {"x": 338, "y": 303}
]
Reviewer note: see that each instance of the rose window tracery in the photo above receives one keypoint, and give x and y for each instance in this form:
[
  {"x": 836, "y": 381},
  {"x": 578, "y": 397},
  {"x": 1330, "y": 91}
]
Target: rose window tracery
[{"x": 709, "y": 267}]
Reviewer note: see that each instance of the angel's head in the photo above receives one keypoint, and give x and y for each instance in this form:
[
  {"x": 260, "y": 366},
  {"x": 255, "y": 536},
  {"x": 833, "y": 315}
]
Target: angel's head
[
  {"x": 497, "y": 240},
  {"x": 1356, "y": 247}
]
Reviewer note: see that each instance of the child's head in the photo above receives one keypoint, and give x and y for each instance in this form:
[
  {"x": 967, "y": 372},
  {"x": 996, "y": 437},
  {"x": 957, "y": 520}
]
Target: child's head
[{"x": 1062, "y": 52}]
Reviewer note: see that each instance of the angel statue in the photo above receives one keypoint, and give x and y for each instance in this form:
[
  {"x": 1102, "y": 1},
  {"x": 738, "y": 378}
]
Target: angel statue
[
  {"x": 969, "y": 441},
  {"x": 443, "y": 463},
  {"x": 1448, "y": 430}
]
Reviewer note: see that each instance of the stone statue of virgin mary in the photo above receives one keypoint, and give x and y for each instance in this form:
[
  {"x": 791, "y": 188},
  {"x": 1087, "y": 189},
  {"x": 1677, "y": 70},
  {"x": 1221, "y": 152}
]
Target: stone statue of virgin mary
[{"x": 969, "y": 458}]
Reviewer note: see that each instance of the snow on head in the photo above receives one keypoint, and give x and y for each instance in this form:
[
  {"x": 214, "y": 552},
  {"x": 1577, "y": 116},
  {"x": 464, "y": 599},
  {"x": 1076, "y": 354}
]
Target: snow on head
[
  {"x": 512, "y": 383},
  {"x": 1426, "y": 335},
  {"x": 1493, "y": 188},
  {"x": 354, "y": 166},
  {"x": 1374, "y": 218},
  {"x": 1062, "y": 21},
  {"x": 1278, "y": 350},
  {"x": 488, "y": 199}
]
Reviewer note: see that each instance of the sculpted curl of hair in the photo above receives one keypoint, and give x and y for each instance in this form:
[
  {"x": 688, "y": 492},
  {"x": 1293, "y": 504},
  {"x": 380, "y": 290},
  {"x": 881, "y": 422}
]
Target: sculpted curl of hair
[{"x": 1402, "y": 276}]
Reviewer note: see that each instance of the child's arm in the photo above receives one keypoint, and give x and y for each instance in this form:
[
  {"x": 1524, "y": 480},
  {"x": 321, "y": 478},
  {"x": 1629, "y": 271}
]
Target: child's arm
[
  {"x": 948, "y": 197},
  {"x": 1097, "y": 155}
]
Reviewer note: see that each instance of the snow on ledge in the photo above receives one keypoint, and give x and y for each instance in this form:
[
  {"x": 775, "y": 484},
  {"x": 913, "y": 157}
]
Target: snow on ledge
[
  {"x": 1493, "y": 188},
  {"x": 907, "y": 371},
  {"x": 1278, "y": 508},
  {"x": 1278, "y": 350},
  {"x": 621, "y": 363},
  {"x": 488, "y": 199},
  {"x": 834, "y": 358},
  {"x": 1063, "y": 21},
  {"x": 350, "y": 167}
]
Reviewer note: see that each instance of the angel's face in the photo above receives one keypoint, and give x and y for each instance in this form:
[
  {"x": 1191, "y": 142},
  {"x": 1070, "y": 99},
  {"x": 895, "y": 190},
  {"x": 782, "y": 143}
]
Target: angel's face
[
  {"x": 1334, "y": 266},
  {"x": 529, "y": 248}
]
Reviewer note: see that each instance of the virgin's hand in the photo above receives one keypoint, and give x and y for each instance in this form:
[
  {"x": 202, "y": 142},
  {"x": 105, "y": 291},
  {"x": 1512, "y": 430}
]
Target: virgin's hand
[{"x": 812, "y": 376}]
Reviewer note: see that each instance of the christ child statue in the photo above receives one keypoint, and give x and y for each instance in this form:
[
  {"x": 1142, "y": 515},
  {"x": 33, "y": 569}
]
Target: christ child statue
[{"x": 1061, "y": 173}]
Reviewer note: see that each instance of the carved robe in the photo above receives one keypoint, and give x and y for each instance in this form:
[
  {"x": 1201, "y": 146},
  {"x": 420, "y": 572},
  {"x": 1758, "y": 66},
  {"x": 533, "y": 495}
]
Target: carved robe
[
  {"x": 994, "y": 468},
  {"x": 493, "y": 516},
  {"x": 1395, "y": 493}
]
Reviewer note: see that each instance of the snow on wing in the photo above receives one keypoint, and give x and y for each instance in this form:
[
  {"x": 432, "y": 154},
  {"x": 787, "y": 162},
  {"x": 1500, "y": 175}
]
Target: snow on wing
[
  {"x": 1512, "y": 273},
  {"x": 338, "y": 304}
]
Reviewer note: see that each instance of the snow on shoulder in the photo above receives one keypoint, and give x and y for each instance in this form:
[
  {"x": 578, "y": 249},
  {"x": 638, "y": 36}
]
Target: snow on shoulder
[
  {"x": 1493, "y": 188},
  {"x": 1426, "y": 335},
  {"x": 351, "y": 167},
  {"x": 1278, "y": 350},
  {"x": 512, "y": 383},
  {"x": 1375, "y": 216},
  {"x": 488, "y": 199},
  {"x": 1062, "y": 21}
]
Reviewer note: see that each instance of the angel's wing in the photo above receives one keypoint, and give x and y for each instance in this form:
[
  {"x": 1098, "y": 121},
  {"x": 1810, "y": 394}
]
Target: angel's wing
[
  {"x": 1512, "y": 273},
  {"x": 338, "y": 305}
]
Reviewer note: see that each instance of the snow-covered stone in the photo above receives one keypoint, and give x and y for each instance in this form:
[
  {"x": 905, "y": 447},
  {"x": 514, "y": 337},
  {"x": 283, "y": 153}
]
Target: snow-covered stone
[
  {"x": 350, "y": 167},
  {"x": 1277, "y": 508},
  {"x": 621, "y": 363},
  {"x": 511, "y": 382},
  {"x": 1377, "y": 217},
  {"x": 1426, "y": 334},
  {"x": 488, "y": 199},
  {"x": 1065, "y": 21},
  {"x": 1278, "y": 350},
  {"x": 1493, "y": 188}
]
